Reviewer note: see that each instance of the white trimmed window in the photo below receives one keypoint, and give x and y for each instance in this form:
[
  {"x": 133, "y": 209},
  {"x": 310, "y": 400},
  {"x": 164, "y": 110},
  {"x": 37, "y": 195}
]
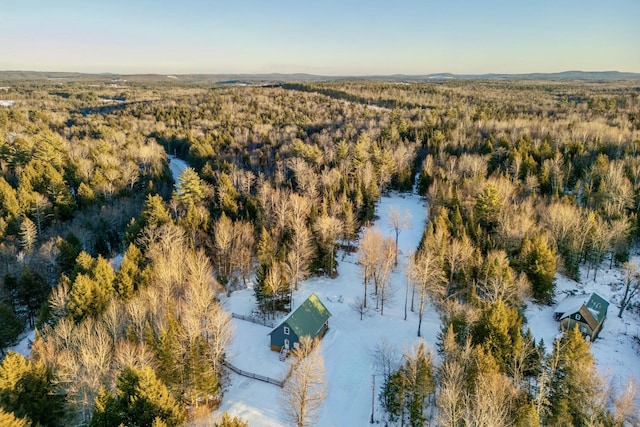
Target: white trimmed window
[
  {"x": 578, "y": 317},
  {"x": 286, "y": 330}
]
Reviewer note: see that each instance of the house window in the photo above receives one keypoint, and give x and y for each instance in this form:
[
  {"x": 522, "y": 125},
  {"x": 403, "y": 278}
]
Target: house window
[
  {"x": 578, "y": 317},
  {"x": 286, "y": 330}
]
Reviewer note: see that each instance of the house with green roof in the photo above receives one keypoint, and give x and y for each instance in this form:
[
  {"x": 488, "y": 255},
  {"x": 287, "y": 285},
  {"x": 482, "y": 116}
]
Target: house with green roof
[
  {"x": 588, "y": 311},
  {"x": 311, "y": 318}
]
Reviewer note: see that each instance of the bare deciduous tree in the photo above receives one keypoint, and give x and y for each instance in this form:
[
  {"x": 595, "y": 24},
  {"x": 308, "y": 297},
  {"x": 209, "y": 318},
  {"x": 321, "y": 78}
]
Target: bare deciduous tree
[
  {"x": 398, "y": 221},
  {"x": 381, "y": 272},
  {"x": 631, "y": 282},
  {"x": 429, "y": 278},
  {"x": 491, "y": 402},
  {"x": 305, "y": 389},
  {"x": 458, "y": 252},
  {"x": 223, "y": 241},
  {"x": 358, "y": 306},
  {"x": 327, "y": 229},
  {"x": 299, "y": 254},
  {"x": 369, "y": 243},
  {"x": 625, "y": 406},
  {"x": 386, "y": 358}
]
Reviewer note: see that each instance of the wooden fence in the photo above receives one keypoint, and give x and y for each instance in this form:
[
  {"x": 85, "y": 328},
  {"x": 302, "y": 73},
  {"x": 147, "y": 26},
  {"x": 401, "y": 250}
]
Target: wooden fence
[
  {"x": 254, "y": 376},
  {"x": 254, "y": 319}
]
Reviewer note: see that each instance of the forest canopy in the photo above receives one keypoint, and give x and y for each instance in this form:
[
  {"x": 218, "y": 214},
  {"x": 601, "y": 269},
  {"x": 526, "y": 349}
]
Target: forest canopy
[{"x": 524, "y": 179}]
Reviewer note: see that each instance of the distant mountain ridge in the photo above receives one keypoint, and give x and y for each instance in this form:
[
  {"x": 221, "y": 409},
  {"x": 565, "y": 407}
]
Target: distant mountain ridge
[{"x": 280, "y": 77}]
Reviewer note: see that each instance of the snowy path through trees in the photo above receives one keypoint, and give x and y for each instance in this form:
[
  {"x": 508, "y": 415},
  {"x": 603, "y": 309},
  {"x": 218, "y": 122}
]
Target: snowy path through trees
[
  {"x": 347, "y": 346},
  {"x": 177, "y": 166}
]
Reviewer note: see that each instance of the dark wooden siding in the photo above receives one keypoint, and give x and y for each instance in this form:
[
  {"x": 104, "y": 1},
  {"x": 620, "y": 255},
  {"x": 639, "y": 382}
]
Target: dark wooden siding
[{"x": 278, "y": 337}]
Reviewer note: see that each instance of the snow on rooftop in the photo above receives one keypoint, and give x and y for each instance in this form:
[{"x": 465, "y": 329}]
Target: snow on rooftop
[{"x": 571, "y": 304}]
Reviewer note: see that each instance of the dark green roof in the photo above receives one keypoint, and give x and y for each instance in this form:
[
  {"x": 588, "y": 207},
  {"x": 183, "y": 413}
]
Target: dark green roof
[
  {"x": 309, "y": 317},
  {"x": 598, "y": 307}
]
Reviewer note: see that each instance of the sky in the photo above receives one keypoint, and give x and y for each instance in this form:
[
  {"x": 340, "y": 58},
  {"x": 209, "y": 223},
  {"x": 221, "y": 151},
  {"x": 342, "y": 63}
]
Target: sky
[{"x": 328, "y": 37}]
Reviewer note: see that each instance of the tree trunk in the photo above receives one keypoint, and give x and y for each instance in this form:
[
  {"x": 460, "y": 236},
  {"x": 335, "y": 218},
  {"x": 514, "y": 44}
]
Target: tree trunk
[
  {"x": 624, "y": 302},
  {"x": 406, "y": 297},
  {"x": 413, "y": 296},
  {"x": 396, "y": 257},
  {"x": 420, "y": 312},
  {"x": 366, "y": 282}
]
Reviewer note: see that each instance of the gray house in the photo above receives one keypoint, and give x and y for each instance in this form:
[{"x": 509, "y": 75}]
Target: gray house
[
  {"x": 311, "y": 318},
  {"x": 588, "y": 311}
]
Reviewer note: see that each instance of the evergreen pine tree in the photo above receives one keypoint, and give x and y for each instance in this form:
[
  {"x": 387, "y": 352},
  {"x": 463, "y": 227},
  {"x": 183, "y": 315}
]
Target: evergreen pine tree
[
  {"x": 538, "y": 261},
  {"x": 10, "y": 329},
  {"x": 8, "y": 419},
  {"x": 142, "y": 398},
  {"x": 575, "y": 386},
  {"x": 129, "y": 277},
  {"x": 488, "y": 204},
  {"x": 228, "y": 421},
  {"x": 68, "y": 250},
  {"x": 32, "y": 293},
  {"x": 27, "y": 390},
  {"x": 499, "y": 333},
  {"x": 170, "y": 352},
  {"x": 106, "y": 411},
  {"x": 154, "y": 212}
]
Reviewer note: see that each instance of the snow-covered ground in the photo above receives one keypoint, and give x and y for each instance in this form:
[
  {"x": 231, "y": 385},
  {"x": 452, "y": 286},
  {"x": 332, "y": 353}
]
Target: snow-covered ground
[
  {"x": 177, "y": 166},
  {"x": 346, "y": 347},
  {"x": 616, "y": 353},
  {"x": 24, "y": 345}
]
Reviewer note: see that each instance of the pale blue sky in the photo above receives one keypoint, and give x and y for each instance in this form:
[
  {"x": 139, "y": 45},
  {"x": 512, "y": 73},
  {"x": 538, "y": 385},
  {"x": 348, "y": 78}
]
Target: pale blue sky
[{"x": 329, "y": 37}]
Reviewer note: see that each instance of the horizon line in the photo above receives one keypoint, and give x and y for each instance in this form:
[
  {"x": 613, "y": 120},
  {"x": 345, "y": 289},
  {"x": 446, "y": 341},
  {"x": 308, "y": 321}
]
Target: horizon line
[{"x": 493, "y": 73}]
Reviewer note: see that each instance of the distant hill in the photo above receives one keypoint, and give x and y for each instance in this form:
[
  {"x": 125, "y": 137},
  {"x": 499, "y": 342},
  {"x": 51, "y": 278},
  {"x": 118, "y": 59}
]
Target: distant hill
[
  {"x": 253, "y": 79},
  {"x": 565, "y": 75}
]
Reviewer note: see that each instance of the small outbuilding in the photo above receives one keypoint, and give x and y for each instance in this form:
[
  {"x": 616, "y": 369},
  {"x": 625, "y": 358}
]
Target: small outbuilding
[
  {"x": 310, "y": 318},
  {"x": 588, "y": 311}
]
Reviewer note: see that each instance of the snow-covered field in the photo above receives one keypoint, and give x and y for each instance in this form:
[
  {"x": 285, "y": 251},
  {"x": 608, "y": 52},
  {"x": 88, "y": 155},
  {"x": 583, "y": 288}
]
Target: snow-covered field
[{"x": 347, "y": 346}]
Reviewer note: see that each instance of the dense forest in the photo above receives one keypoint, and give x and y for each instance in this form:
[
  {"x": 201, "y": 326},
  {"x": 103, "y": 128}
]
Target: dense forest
[{"x": 118, "y": 269}]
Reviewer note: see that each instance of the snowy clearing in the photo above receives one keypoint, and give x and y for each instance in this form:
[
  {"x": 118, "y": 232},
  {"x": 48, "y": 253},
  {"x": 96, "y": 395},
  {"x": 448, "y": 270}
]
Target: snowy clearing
[
  {"x": 347, "y": 346},
  {"x": 177, "y": 166}
]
